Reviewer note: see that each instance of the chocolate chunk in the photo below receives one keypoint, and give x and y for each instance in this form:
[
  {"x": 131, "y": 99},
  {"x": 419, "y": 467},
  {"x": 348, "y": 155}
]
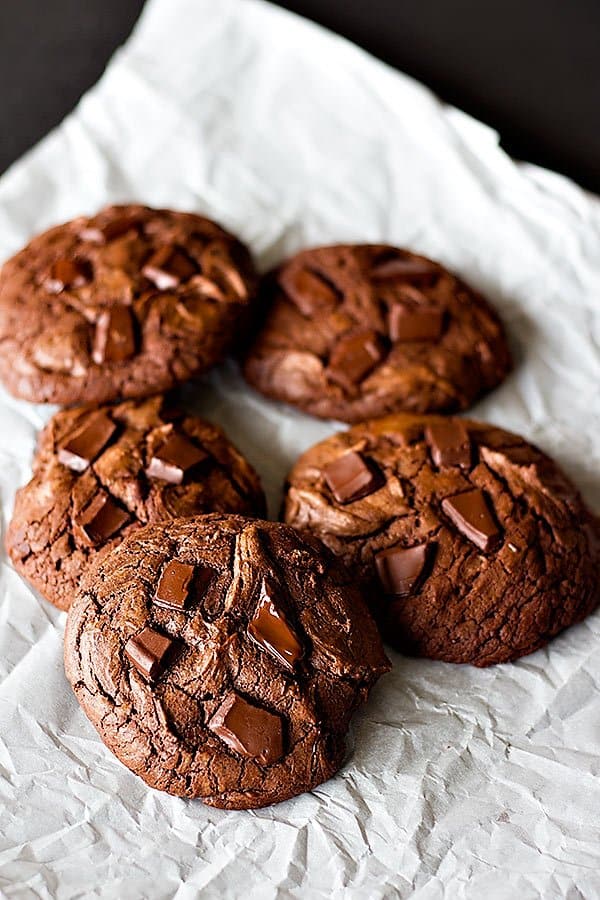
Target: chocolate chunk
[
  {"x": 308, "y": 290},
  {"x": 148, "y": 651},
  {"x": 68, "y": 273},
  {"x": 249, "y": 730},
  {"x": 168, "y": 267},
  {"x": 449, "y": 444},
  {"x": 84, "y": 445},
  {"x": 354, "y": 357},
  {"x": 471, "y": 515},
  {"x": 400, "y": 569},
  {"x": 114, "y": 339},
  {"x": 173, "y": 588},
  {"x": 270, "y": 629},
  {"x": 350, "y": 477},
  {"x": 404, "y": 267},
  {"x": 100, "y": 520},
  {"x": 414, "y": 325},
  {"x": 174, "y": 459},
  {"x": 118, "y": 227}
]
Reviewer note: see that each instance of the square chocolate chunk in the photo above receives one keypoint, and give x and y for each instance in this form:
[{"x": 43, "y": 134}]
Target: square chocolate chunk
[
  {"x": 83, "y": 446},
  {"x": 249, "y": 730},
  {"x": 354, "y": 357},
  {"x": 148, "y": 652},
  {"x": 173, "y": 588},
  {"x": 350, "y": 477},
  {"x": 175, "y": 459},
  {"x": 400, "y": 569},
  {"x": 100, "y": 520},
  {"x": 407, "y": 325}
]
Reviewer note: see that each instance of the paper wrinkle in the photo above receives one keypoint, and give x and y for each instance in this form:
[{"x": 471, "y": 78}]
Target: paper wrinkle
[{"x": 458, "y": 782}]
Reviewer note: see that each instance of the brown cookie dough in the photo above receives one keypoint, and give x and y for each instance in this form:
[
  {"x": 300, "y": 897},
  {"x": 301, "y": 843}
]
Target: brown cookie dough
[
  {"x": 473, "y": 545},
  {"x": 359, "y": 331},
  {"x": 100, "y": 473},
  {"x": 222, "y": 658},
  {"x": 124, "y": 304}
]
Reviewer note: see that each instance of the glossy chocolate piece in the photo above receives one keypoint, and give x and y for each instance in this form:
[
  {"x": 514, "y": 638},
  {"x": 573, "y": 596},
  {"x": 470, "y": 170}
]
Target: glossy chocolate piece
[
  {"x": 173, "y": 588},
  {"x": 249, "y": 730},
  {"x": 148, "y": 652},
  {"x": 407, "y": 325},
  {"x": 270, "y": 629},
  {"x": 350, "y": 477},
  {"x": 169, "y": 267},
  {"x": 308, "y": 291},
  {"x": 83, "y": 446},
  {"x": 396, "y": 266},
  {"x": 400, "y": 569},
  {"x": 68, "y": 273},
  {"x": 174, "y": 459},
  {"x": 100, "y": 520},
  {"x": 470, "y": 513},
  {"x": 353, "y": 357},
  {"x": 114, "y": 338},
  {"x": 449, "y": 444}
]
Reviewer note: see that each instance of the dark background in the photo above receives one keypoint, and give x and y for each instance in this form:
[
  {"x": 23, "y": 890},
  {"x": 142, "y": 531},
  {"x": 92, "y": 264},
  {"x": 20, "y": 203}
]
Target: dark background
[{"x": 530, "y": 68}]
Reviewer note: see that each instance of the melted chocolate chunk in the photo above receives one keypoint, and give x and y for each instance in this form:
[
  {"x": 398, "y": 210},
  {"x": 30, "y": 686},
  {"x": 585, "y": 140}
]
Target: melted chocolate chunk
[
  {"x": 148, "y": 652},
  {"x": 449, "y": 444},
  {"x": 350, "y": 477},
  {"x": 249, "y": 730},
  {"x": 100, "y": 520},
  {"x": 400, "y": 569},
  {"x": 308, "y": 291},
  {"x": 173, "y": 588},
  {"x": 114, "y": 339},
  {"x": 354, "y": 357},
  {"x": 397, "y": 266},
  {"x": 407, "y": 325},
  {"x": 169, "y": 267},
  {"x": 270, "y": 629},
  {"x": 470, "y": 513},
  {"x": 175, "y": 459},
  {"x": 68, "y": 273},
  {"x": 83, "y": 446}
]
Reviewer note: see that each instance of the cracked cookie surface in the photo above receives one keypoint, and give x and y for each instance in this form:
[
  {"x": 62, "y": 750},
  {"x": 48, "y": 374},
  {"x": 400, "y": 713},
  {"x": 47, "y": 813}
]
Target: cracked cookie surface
[
  {"x": 357, "y": 331},
  {"x": 222, "y": 658},
  {"x": 100, "y": 473},
  {"x": 124, "y": 304},
  {"x": 472, "y": 544}
]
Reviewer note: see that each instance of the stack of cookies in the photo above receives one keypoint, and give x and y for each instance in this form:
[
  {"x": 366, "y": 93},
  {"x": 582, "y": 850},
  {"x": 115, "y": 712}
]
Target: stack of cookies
[{"x": 220, "y": 655}]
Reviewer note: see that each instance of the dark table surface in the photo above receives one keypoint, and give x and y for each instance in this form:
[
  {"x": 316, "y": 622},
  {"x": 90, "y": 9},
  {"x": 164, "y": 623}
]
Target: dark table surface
[{"x": 530, "y": 68}]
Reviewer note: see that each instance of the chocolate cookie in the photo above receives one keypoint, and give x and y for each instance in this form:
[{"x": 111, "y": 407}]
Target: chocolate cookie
[
  {"x": 125, "y": 304},
  {"x": 359, "y": 331},
  {"x": 475, "y": 547},
  {"x": 101, "y": 473},
  {"x": 222, "y": 657}
]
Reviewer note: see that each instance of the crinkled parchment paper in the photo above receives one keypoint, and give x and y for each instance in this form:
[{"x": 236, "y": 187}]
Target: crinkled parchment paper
[{"x": 459, "y": 783}]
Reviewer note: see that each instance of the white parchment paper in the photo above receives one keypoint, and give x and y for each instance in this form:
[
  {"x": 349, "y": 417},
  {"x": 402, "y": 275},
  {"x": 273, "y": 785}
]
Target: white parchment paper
[{"x": 459, "y": 783}]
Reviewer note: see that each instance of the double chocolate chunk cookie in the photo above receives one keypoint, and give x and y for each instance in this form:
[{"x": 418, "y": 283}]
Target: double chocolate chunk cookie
[
  {"x": 222, "y": 658},
  {"x": 101, "y": 473},
  {"x": 124, "y": 304},
  {"x": 473, "y": 544},
  {"x": 359, "y": 331}
]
